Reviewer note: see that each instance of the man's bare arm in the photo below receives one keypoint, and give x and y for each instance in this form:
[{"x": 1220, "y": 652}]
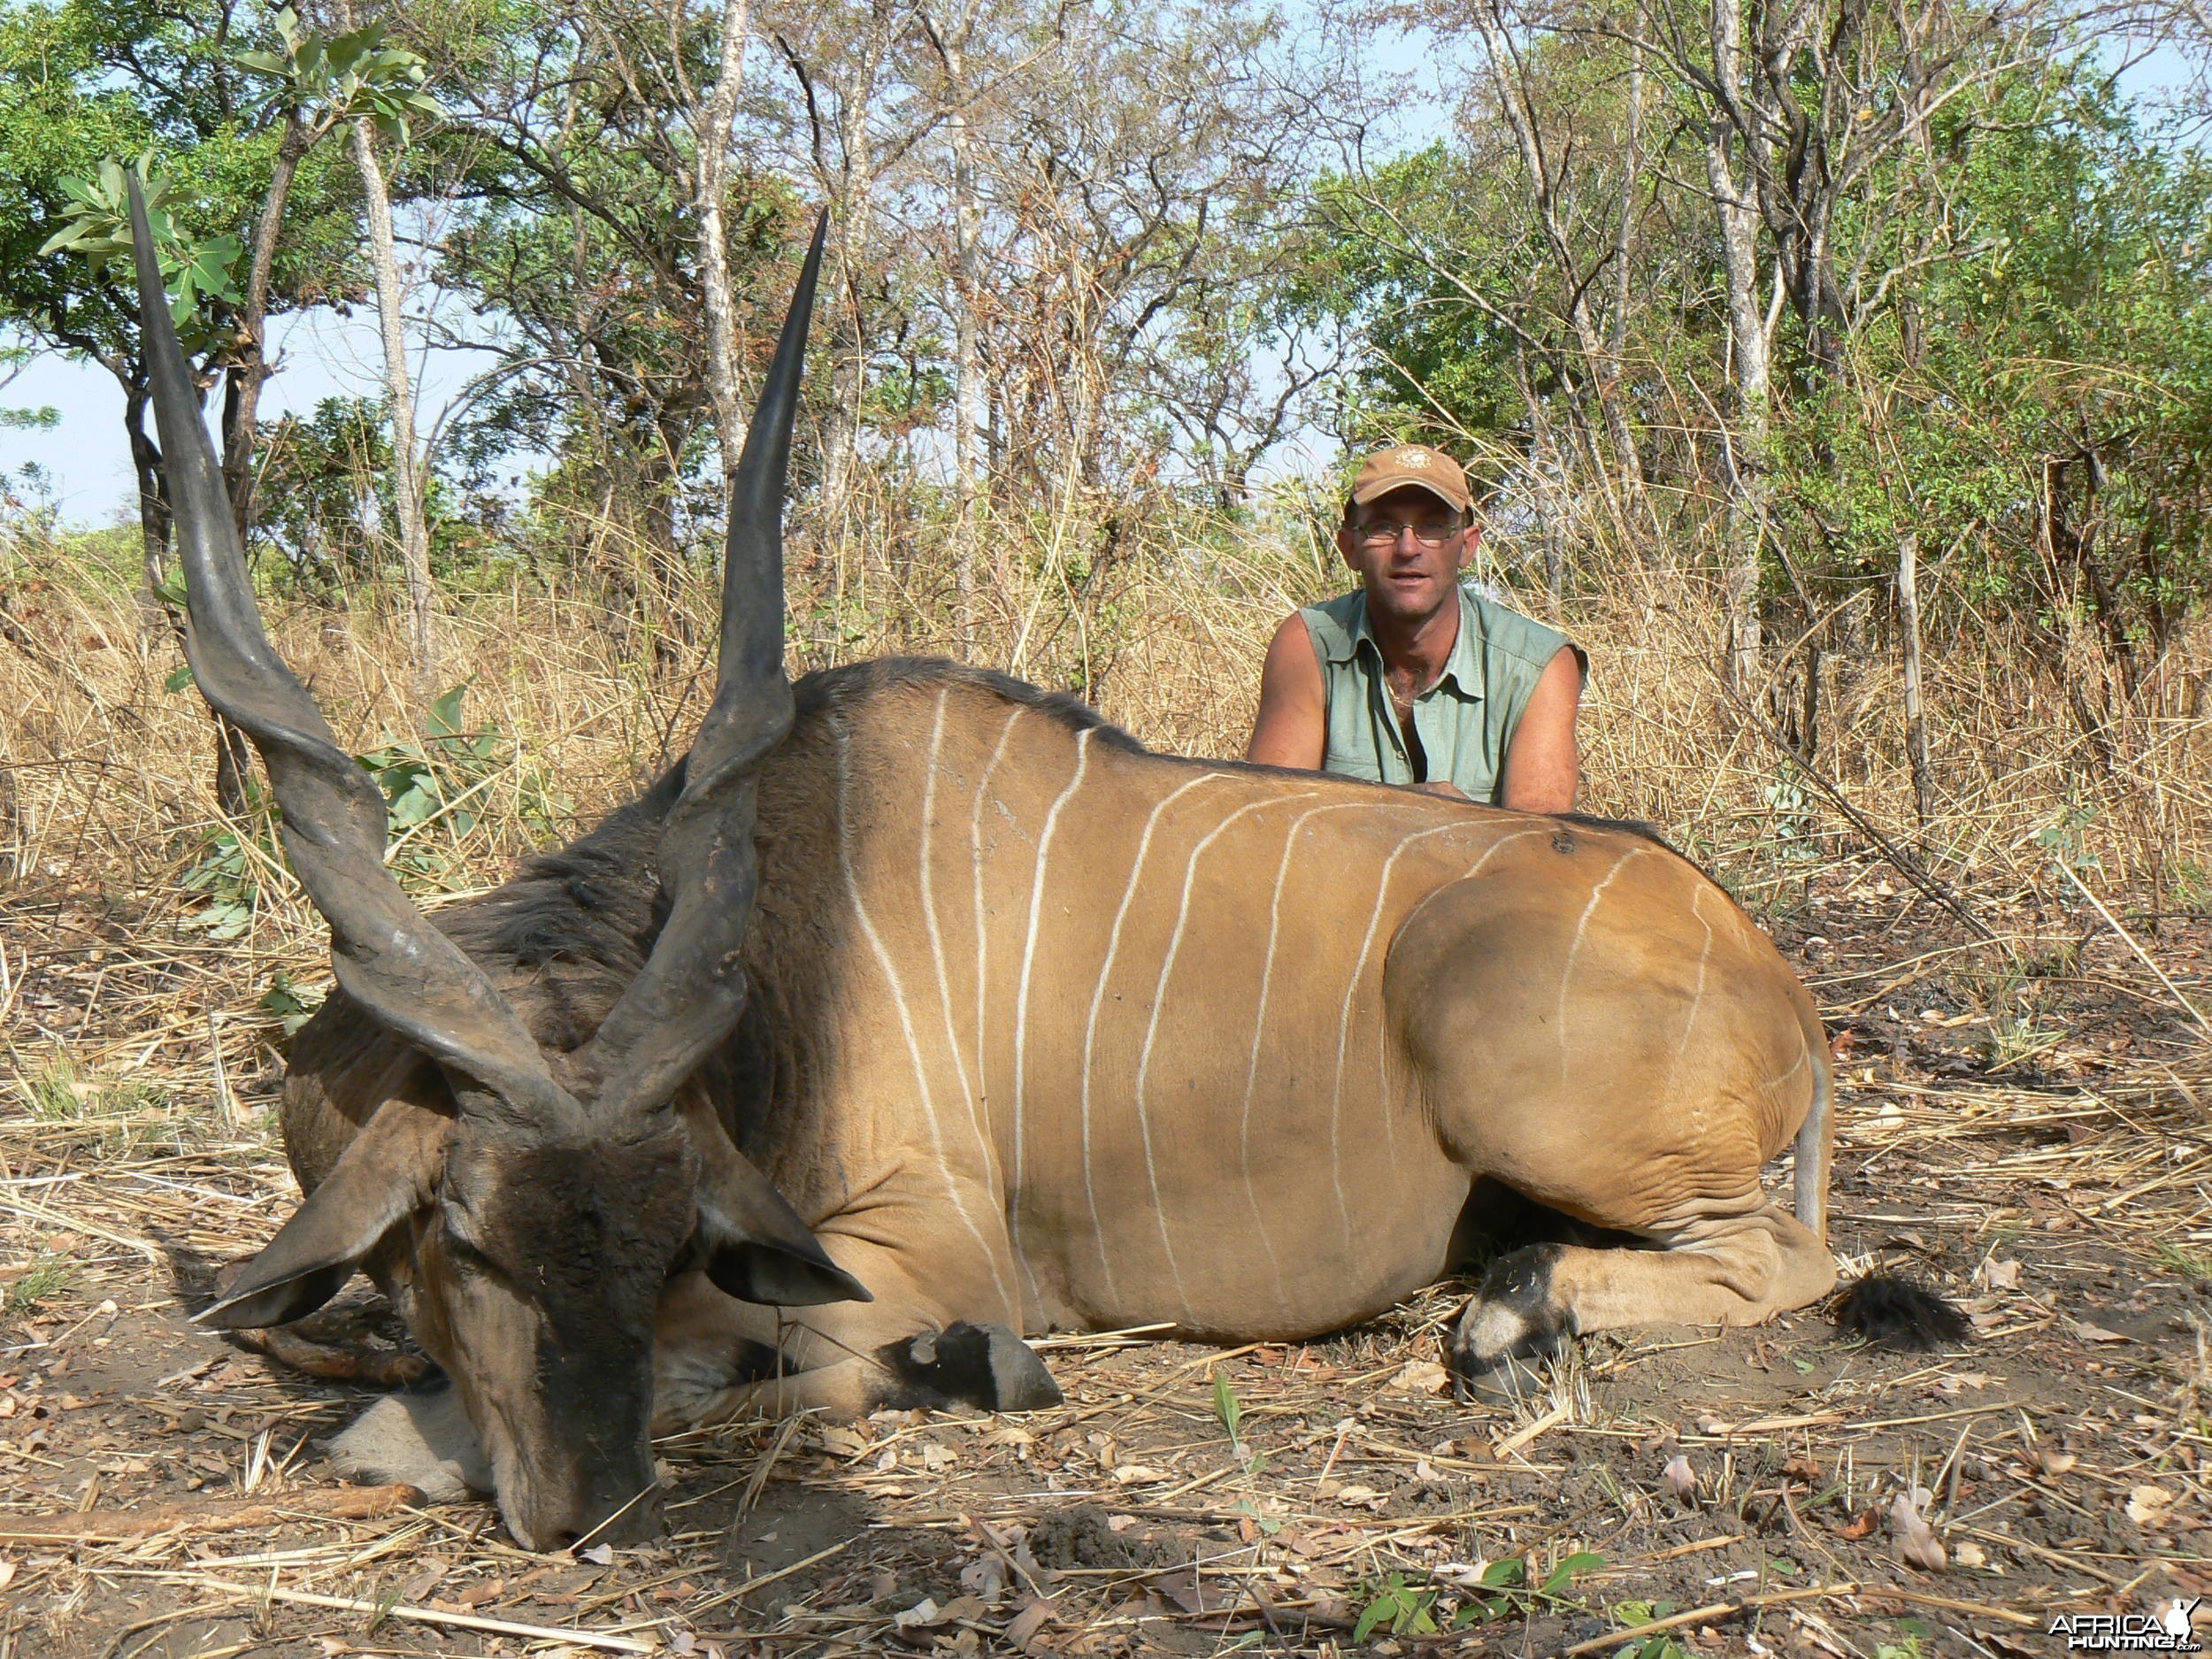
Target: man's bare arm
[
  {"x": 1542, "y": 766},
  {"x": 1292, "y": 726}
]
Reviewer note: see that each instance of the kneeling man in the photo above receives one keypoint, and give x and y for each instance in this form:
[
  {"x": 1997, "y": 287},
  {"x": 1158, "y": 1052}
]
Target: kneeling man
[{"x": 1412, "y": 679}]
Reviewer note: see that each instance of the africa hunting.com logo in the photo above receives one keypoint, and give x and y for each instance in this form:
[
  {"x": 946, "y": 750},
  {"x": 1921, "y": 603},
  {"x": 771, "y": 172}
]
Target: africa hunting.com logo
[{"x": 2132, "y": 1632}]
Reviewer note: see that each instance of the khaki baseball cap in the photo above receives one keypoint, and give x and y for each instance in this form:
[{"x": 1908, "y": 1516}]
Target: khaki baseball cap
[{"x": 1414, "y": 464}]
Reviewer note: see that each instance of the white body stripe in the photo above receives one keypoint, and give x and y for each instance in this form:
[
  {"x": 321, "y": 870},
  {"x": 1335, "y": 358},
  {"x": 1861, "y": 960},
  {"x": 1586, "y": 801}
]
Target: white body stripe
[
  {"x": 927, "y": 894},
  {"x": 906, "y": 1024},
  {"x": 1152, "y": 1025},
  {"x": 1344, "y": 1022},
  {"x": 1098, "y": 1000},
  {"x": 1574, "y": 949},
  {"x": 1259, "y": 1030},
  {"x": 983, "y": 966},
  {"x": 1697, "y": 997},
  {"x": 1021, "y": 997}
]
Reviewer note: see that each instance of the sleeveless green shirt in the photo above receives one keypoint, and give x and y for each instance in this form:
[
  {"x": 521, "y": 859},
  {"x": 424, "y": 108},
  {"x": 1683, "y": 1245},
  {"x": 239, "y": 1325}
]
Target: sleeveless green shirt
[{"x": 1464, "y": 721}]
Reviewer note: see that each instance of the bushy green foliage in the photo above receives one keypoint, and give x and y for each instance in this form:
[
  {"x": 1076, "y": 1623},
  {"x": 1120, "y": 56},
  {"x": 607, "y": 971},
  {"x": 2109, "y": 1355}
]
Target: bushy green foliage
[
  {"x": 84, "y": 82},
  {"x": 2027, "y": 387},
  {"x": 2036, "y": 406},
  {"x": 436, "y": 788}
]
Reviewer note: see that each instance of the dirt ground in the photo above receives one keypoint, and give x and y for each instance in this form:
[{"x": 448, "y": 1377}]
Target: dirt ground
[{"x": 2024, "y": 1125}]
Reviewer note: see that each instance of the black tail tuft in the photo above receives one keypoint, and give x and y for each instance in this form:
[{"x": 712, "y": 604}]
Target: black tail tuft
[{"x": 1883, "y": 1308}]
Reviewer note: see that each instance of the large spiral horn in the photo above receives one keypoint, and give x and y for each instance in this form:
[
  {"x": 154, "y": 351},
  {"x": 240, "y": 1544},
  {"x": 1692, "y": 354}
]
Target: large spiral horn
[
  {"x": 388, "y": 958},
  {"x": 689, "y": 995}
]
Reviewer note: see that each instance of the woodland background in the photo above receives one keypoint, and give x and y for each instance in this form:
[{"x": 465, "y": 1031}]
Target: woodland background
[{"x": 1841, "y": 372}]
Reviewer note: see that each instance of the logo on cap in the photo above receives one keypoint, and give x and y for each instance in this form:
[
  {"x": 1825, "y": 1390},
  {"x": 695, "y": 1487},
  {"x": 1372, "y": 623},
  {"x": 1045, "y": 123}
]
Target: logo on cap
[{"x": 1412, "y": 458}]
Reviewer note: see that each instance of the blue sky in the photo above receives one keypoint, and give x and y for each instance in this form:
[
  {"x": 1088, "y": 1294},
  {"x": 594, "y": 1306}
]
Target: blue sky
[{"x": 320, "y": 355}]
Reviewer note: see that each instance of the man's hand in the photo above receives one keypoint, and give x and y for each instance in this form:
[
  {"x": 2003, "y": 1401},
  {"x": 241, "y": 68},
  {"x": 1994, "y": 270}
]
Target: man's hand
[
  {"x": 1292, "y": 726},
  {"x": 1542, "y": 766}
]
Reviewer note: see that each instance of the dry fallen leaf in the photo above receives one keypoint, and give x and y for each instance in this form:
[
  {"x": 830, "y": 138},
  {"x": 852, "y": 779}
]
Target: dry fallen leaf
[
  {"x": 920, "y": 1616},
  {"x": 1862, "y": 1526},
  {"x": 2089, "y": 1333},
  {"x": 1130, "y": 1474},
  {"x": 1024, "y": 1624},
  {"x": 1970, "y": 1555},
  {"x": 1422, "y": 1377},
  {"x": 985, "y": 1577},
  {"x": 1190, "y": 1592},
  {"x": 1912, "y": 1540},
  {"x": 1678, "y": 1477},
  {"x": 2147, "y": 1504},
  {"x": 2055, "y": 1462},
  {"x": 2002, "y": 1275}
]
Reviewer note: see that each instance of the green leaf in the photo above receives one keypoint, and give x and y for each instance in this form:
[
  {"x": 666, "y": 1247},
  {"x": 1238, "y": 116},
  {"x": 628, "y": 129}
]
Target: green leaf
[
  {"x": 178, "y": 678},
  {"x": 1512, "y": 1570},
  {"x": 1227, "y": 1406},
  {"x": 1565, "y": 1573},
  {"x": 1381, "y": 1608},
  {"x": 444, "y": 718}
]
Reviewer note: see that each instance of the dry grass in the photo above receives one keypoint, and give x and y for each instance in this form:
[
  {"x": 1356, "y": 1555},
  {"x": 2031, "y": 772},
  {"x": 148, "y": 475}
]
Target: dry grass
[{"x": 109, "y": 782}]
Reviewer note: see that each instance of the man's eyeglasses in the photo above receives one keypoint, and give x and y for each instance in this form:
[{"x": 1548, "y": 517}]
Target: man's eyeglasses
[{"x": 1383, "y": 533}]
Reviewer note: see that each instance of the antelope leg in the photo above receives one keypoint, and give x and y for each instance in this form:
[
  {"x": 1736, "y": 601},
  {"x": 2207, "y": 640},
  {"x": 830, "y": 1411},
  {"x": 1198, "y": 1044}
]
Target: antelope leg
[
  {"x": 1717, "y": 1270},
  {"x": 938, "y": 1332},
  {"x": 421, "y": 1439}
]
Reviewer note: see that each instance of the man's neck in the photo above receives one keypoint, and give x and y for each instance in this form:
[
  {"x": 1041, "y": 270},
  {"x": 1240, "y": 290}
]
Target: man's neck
[{"x": 1415, "y": 653}]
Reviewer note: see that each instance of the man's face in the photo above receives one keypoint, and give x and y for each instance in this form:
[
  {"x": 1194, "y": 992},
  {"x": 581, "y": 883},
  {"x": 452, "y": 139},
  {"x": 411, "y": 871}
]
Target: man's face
[{"x": 1409, "y": 548}]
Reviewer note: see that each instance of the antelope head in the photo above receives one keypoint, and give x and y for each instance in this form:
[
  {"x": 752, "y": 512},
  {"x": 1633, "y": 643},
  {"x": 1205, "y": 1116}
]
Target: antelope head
[{"x": 542, "y": 1217}]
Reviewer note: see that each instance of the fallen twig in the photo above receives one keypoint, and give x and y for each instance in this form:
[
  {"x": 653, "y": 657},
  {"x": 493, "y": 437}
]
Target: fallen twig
[
  {"x": 605, "y": 1639},
  {"x": 1706, "y": 1614},
  {"x": 330, "y": 1503}
]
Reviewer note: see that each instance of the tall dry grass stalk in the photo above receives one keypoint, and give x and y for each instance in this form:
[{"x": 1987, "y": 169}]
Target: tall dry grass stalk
[{"x": 106, "y": 804}]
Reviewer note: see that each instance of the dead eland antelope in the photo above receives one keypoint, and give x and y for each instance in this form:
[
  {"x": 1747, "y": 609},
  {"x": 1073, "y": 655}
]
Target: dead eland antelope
[{"x": 1032, "y": 1030}]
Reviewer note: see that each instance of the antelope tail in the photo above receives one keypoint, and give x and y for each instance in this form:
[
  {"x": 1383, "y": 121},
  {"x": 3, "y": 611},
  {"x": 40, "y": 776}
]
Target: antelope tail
[{"x": 1813, "y": 1138}]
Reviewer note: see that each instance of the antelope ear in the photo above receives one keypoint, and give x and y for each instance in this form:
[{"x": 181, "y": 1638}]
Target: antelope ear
[
  {"x": 756, "y": 1248},
  {"x": 376, "y": 1182}
]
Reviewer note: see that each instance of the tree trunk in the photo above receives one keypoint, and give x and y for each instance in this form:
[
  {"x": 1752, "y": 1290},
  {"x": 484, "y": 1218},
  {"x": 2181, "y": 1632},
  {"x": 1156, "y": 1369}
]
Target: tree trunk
[
  {"x": 1628, "y": 458},
  {"x": 841, "y": 422},
  {"x": 234, "y": 763},
  {"x": 1908, "y": 641},
  {"x": 969, "y": 415},
  {"x": 712, "y": 134},
  {"x": 249, "y": 369},
  {"x": 1746, "y": 446},
  {"x": 414, "y": 532},
  {"x": 1599, "y": 376},
  {"x": 153, "y": 503}
]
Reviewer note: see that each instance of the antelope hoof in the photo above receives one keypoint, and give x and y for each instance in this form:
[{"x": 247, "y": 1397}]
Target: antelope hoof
[
  {"x": 985, "y": 1366},
  {"x": 1512, "y": 1316}
]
